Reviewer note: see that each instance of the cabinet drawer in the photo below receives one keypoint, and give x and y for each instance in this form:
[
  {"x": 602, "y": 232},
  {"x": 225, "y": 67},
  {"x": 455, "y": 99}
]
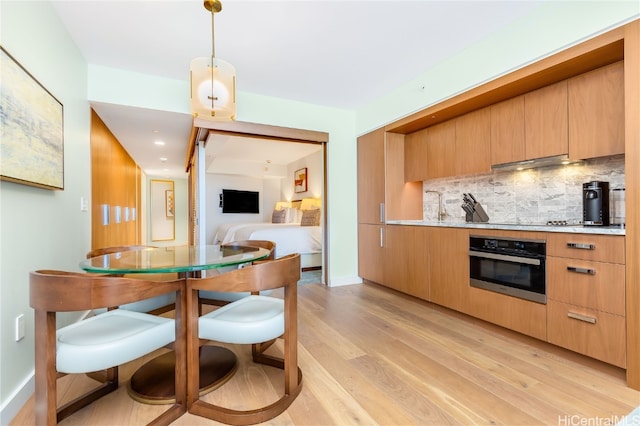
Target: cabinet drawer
[
  {"x": 593, "y": 333},
  {"x": 595, "y": 285},
  {"x": 603, "y": 248}
]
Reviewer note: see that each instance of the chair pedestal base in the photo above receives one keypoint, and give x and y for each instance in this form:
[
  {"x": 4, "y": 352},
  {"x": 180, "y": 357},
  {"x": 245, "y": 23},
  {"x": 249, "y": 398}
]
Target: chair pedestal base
[
  {"x": 248, "y": 417},
  {"x": 154, "y": 382}
]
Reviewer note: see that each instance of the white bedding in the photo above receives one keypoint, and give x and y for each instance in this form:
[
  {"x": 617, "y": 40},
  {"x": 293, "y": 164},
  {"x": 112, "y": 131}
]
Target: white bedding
[{"x": 289, "y": 237}]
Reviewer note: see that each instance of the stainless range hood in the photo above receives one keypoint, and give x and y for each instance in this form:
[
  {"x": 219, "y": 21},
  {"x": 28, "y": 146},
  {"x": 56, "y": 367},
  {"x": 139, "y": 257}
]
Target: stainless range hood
[{"x": 557, "y": 160}]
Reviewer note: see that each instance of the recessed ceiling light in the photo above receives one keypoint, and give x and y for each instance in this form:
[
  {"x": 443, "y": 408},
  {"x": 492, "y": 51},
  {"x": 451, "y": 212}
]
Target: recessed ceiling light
[
  {"x": 163, "y": 159},
  {"x": 159, "y": 143}
]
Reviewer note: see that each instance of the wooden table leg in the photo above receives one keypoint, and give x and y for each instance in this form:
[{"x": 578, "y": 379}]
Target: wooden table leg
[{"x": 154, "y": 382}]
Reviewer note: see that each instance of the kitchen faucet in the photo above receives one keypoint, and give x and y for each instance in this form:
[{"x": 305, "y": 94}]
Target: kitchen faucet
[{"x": 441, "y": 212}]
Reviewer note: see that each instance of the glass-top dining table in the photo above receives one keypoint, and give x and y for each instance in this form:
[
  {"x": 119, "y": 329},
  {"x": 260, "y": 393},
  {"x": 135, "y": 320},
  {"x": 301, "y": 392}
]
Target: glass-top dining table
[
  {"x": 185, "y": 260},
  {"x": 154, "y": 382}
]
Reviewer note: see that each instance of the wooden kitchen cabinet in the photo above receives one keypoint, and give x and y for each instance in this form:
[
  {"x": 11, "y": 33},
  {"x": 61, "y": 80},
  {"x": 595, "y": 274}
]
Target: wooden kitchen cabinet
[
  {"x": 407, "y": 257},
  {"x": 449, "y": 267},
  {"x": 431, "y": 153},
  {"x": 371, "y": 252},
  {"x": 399, "y": 245},
  {"x": 590, "y": 332},
  {"x": 371, "y": 187},
  {"x": 473, "y": 143},
  {"x": 603, "y": 248},
  {"x": 586, "y": 295},
  {"x": 441, "y": 150},
  {"x": 507, "y": 131},
  {"x": 371, "y": 177},
  {"x": 415, "y": 156},
  {"x": 381, "y": 178},
  {"x": 546, "y": 121},
  {"x": 595, "y": 285},
  {"x": 596, "y": 113}
]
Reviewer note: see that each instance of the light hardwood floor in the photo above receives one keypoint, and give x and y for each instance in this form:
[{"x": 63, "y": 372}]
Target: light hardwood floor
[{"x": 372, "y": 356}]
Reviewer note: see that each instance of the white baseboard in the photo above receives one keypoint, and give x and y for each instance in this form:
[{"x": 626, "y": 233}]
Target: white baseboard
[
  {"x": 340, "y": 281},
  {"x": 16, "y": 401}
]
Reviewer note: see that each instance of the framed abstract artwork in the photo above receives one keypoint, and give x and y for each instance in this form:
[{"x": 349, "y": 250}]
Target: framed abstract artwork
[
  {"x": 300, "y": 180},
  {"x": 31, "y": 129}
]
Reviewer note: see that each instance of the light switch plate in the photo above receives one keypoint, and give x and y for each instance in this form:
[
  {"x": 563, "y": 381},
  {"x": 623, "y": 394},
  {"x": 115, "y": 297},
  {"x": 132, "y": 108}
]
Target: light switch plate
[{"x": 19, "y": 327}]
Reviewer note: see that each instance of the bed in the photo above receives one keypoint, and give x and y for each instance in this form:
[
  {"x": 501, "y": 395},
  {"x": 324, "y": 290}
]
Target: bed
[{"x": 292, "y": 236}]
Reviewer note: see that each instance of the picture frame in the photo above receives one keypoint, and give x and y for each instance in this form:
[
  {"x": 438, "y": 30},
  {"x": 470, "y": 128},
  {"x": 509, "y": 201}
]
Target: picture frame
[
  {"x": 162, "y": 210},
  {"x": 300, "y": 179},
  {"x": 169, "y": 204},
  {"x": 31, "y": 129}
]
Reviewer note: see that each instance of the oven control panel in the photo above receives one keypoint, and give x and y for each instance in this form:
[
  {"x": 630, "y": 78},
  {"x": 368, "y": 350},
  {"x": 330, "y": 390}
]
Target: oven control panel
[{"x": 505, "y": 245}]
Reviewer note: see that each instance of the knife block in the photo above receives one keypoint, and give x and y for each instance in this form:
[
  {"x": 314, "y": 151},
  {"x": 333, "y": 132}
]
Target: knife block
[{"x": 479, "y": 215}]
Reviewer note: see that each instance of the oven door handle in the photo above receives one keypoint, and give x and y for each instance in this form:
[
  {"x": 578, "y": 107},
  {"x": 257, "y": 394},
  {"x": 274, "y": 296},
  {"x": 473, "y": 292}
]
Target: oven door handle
[{"x": 514, "y": 259}]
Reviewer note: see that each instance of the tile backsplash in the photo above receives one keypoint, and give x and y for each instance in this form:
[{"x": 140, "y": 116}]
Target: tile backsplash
[{"x": 531, "y": 196}]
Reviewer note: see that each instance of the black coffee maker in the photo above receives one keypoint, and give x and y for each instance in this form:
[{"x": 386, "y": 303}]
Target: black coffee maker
[{"x": 595, "y": 203}]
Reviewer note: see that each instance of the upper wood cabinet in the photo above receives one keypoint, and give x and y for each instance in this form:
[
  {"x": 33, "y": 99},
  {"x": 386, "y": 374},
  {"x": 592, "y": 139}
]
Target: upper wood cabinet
[
  {"x": 546, "y": 121},
  {"x": 415, "y": 156},
  {"x": 473, "y": 143},
  {"x": 430, "y": 153},
  {"x": 441, "y": 150},
  {"x": 596, "y": 113},
  {"x": 507, "y": 131},
  {"x": 371, "y": 177}
]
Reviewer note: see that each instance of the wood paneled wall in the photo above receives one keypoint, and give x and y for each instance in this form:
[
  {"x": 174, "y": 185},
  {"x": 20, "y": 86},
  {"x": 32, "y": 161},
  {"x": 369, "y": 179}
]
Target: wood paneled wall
[{"x": 115, "y": 182}]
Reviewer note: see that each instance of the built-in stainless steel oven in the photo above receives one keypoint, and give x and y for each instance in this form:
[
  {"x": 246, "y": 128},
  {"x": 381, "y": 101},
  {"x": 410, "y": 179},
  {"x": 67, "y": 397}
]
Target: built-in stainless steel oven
[{"x": 515, "y": 267}]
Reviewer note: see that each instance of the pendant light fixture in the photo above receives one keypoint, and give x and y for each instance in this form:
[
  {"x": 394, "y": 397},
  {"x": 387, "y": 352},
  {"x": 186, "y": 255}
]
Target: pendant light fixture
[{"x": 213, "y": 81}]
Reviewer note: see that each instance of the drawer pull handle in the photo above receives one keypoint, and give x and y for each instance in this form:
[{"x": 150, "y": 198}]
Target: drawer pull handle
[
  {"x": 581, "y": 270},
  {"x": 581, "y": 246},
  {"x": 580, "y": 317}
]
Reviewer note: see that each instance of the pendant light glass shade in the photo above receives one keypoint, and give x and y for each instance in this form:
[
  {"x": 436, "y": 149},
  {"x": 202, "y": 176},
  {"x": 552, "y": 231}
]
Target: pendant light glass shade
[
  {"x": 213, "y": 81},
  {"x": 213, "y": 89}
]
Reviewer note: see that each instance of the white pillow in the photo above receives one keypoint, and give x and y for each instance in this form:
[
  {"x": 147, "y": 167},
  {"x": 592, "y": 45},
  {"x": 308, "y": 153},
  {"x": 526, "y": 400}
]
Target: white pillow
[{"x": 290, "y": 215}]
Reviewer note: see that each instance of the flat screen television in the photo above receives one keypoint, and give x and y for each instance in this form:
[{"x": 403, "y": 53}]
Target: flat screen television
[{"x": 235, "y": 201}]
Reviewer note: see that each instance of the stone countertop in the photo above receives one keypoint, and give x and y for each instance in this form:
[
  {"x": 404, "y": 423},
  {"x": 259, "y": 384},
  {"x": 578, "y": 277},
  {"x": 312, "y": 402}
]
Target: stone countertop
[{"x": 578, "y": 229}]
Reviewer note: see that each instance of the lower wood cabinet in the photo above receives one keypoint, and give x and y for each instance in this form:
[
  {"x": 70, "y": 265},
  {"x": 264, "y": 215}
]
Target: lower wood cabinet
[
  {"x": 406, "y": 258},
  {"x": 586, "y": 295},
  {"x": 590, "y": 332},
  {"x": 371, "y": 252},
  {"x": 449, "y": 267},
  {"x": 516, "y": 314},
  {"x": 585, "y": 310},
  {"x": 595, "y": 285}
]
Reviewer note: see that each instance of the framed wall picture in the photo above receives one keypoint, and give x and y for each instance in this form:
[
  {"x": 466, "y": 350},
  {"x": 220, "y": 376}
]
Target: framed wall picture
[
  {"x": 169, "y": 204},
  {"x": 31, "y": 129},
  {"x": 300, "y": 180},
  {"x": 162, "y": 210}
]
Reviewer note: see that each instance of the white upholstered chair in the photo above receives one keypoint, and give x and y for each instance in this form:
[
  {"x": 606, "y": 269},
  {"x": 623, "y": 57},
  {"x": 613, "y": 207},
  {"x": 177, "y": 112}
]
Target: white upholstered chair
[
  {"x": 218, "y": 298},
  {"x": 253, "y": 320},
  {"x": 101, "y": 342}
]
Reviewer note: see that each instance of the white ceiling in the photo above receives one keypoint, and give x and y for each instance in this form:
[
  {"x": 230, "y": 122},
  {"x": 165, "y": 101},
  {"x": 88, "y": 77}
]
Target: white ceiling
[{"x": 341, "y": 54}]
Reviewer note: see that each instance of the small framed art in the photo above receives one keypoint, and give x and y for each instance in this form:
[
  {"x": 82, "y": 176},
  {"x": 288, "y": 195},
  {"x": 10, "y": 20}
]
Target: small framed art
[{"x": 300, "y": 180}]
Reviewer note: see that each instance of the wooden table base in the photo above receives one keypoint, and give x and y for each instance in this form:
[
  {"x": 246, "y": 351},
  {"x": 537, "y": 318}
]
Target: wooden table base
[{"x": 154, "y": 382}]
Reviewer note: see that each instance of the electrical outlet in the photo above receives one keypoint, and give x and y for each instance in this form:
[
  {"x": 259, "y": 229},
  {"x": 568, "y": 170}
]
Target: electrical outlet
[{"x": 19, "y": 327}]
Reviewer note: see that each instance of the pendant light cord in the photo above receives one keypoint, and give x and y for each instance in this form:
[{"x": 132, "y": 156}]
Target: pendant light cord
[{"x": 213, "y": 55}]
